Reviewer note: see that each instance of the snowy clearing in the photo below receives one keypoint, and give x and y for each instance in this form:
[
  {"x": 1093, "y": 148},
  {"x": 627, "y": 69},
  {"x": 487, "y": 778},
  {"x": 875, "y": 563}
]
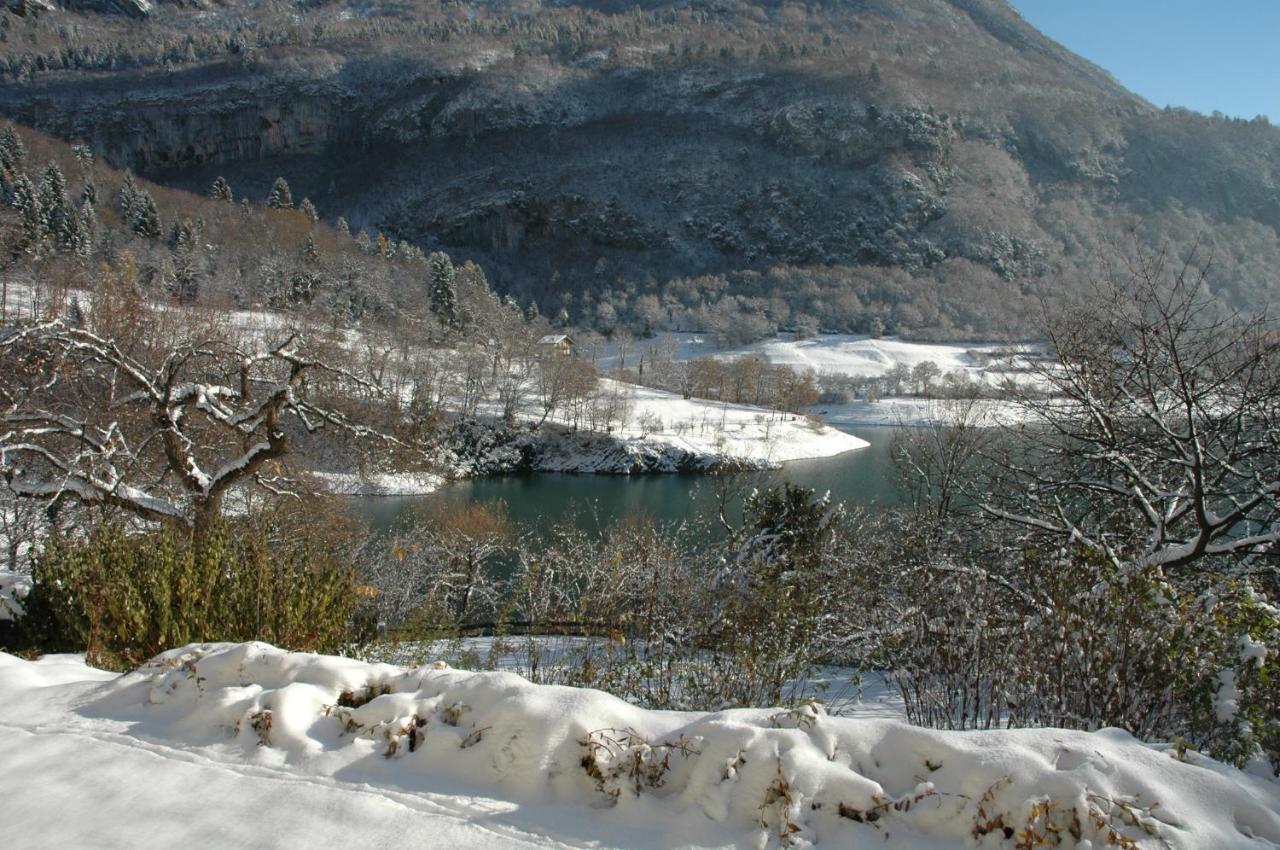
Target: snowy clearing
[
  {"x": 737, "y": 431},
  {"x": 247, "y": 745},
  {"x": 850, "y": 354}
]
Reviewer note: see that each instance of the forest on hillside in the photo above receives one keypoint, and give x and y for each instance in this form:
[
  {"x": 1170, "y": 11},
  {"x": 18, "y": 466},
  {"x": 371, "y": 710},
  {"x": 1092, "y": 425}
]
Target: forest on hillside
[{"x": 938, "y": 170}]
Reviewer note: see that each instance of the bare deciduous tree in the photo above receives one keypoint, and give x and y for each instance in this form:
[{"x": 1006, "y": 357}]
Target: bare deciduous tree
[
  {"x": 161, "y": 432},
  {"x": 1160, "y": 441},
  {"x": 934, "y": 461}
]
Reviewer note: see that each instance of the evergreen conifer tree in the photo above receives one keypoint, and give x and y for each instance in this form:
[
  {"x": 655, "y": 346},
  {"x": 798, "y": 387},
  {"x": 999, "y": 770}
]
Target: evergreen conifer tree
[
  {"x": 86, "y": 224},
  {"x": 27, "y": 204},
  {"x": 444, "y": 295},
  {"x": 83, "y": 155},
  {"x": 75, "y": 313},
  {"x": 185, "y": 285},
  {"x": 57, "y": 215},
  {"x": 146, "y": 216},
  {"x": 280, "y": 198},
  {"x": 12, "y": 154},
  {"x": 221, "y": 190},
  {"x": 309, "y": 210},
  {"x": 128, "y": 197}
]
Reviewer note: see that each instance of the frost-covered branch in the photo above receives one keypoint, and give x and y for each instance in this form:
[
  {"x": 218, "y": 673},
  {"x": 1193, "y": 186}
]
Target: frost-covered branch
[
  {"x": 161, "y": 434},
  {"x": 1158, "y": 440}
]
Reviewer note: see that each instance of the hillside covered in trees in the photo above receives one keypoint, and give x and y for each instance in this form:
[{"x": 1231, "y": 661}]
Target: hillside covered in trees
[{"x": 934, "y": 168}]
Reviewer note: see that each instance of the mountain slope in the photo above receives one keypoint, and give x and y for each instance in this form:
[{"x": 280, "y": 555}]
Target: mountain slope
[{"x": 933, "y": 166}]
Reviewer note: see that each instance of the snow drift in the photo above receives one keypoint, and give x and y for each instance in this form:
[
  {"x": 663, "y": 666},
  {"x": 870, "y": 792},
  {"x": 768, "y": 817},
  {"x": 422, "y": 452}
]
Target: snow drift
[{"x": 749, "y": 777}]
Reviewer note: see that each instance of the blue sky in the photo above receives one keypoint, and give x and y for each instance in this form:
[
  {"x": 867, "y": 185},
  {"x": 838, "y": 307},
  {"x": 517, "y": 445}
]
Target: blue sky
[{"x": 1202, "y": 54}]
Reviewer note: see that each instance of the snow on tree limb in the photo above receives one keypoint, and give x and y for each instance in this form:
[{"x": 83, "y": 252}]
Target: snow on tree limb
[
  {"x": 201, "y": 419},
  {"x": 1160, "y": 433}
]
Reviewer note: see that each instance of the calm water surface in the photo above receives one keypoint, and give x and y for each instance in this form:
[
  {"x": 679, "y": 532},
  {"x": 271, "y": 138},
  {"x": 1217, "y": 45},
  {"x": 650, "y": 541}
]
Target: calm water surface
[{"x": 860, "y": 478}]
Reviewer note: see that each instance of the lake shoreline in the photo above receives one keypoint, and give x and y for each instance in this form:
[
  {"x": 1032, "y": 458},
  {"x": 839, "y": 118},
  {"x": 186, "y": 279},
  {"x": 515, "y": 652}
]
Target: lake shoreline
[{"x": 592, "y": 501}]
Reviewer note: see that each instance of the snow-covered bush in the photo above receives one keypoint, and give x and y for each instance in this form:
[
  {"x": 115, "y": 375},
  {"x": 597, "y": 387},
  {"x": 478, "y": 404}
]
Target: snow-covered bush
[
  {"x": 14, "y": 588},
  {"x": 650, "y": 422},
  {"x": 124, "y": 597},
  {"x": 1079, "y": 641},
  {"x": 1234, "y": 710},
  {"x": 1120, "y": 645},
  {"x": 1104, "y": 564},
  {"x": 772, "y": 588}
]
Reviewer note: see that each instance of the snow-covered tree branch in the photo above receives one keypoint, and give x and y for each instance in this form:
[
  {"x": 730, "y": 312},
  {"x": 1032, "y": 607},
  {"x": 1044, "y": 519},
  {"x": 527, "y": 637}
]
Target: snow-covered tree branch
[
  {"x": 1159, "y": 442},
  {"x": 165, "y": 436}
]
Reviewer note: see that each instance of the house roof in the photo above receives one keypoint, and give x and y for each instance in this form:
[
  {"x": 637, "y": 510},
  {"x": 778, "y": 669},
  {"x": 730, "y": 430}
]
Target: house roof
[{"x": 555, "y": 339}]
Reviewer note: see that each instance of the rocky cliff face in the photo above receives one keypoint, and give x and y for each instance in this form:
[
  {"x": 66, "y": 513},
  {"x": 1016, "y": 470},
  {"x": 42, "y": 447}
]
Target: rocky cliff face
[
  {"x": 577, "y": 148},
  {"x": 185, "y": 120}
]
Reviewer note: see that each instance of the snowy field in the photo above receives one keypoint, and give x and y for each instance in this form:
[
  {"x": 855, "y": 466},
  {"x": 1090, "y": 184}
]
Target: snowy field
[
  {"x": 848, "y": 354},
  {"x": 852, "y": 355},
  {"x": 243, "y": 745},
  {"x": 732, "y": 430},
  {"x": 916, "y": 412}
]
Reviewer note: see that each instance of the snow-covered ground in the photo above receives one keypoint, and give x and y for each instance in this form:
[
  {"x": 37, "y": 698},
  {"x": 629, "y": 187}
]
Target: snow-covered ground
[
  {"x": 244, "y": 745},
  {"x": 653, "y": 431},
  {"x": 852, "y": 355},
  {"x": 379, "y": 483},
  {"x": 737, "y": 431},
  {"x": 848, "y": 354},
  {"x": 918, "y": 412}
]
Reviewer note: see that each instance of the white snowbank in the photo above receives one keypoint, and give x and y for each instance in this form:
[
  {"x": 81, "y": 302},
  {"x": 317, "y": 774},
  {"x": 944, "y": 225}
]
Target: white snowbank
[
  {"x": 740, "y": 431},
  {"x": 844, "y": 691},
  {"x": 563, "y": 766},
  {"x": 13, "y": 587}
]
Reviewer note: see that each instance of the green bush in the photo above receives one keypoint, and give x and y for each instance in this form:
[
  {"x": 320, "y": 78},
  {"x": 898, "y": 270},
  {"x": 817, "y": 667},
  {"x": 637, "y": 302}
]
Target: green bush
[{"x": 123, "y": 597}]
